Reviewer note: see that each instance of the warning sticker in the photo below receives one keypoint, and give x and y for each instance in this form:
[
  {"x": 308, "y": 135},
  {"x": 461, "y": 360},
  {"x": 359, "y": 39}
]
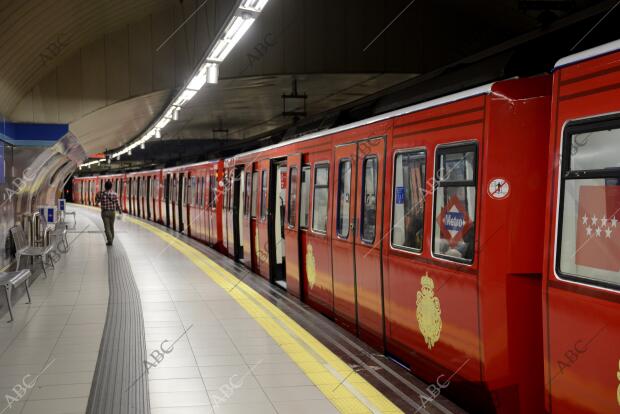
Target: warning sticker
[{"x": 499, "y": 188}]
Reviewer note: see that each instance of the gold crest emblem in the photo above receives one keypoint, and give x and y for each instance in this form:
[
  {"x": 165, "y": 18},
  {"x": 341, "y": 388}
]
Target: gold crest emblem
[
  {"x": 428, "y": 312},
  {"x": 310, "y": 266},
  {"x": 618, "y": 390},
  {"x": 258, "y": 253}
]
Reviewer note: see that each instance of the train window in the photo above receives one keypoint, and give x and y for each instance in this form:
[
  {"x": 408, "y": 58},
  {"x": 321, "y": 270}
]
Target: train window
[
  {"x": 304, "y": 200},
  {"x": 344, "y": 198},
  {"x": 212, "y": 191},
  {"x": 292, "y": 196},
  {"x": 408, "y": 200},
  {"x": 369, "y": 199},
  {"x": 254, "y": 192},
  {"x": 248, "y": 194},
  {"x": 320, "y": 198},
  {"x": 226, "y": 187},
  {"x": 588, "y": 228},
  {"x": 264, "y": 195},
  {"x": 455, "y": 203},
  {"x": 193, "y": 192}
]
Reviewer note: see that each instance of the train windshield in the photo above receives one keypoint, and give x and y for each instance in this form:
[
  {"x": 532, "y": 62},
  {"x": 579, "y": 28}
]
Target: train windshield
[{"x": 589, "y": 231}]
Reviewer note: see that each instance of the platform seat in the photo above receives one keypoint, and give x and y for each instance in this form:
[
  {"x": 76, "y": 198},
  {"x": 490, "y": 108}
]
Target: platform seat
[
  {"x": 22, "y": 248},
  {"x": 11, "y": 280}
]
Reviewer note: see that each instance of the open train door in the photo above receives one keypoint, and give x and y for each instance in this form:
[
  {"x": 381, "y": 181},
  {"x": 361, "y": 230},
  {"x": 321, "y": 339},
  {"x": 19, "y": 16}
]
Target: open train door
[
  {"x": 278, "y": 184},
  {"x": 291, "y": 227},
  {"x": 263, "y": 262}
]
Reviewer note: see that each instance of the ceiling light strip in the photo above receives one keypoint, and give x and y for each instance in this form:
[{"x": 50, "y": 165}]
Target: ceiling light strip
[{"x": 241, "y": 19}]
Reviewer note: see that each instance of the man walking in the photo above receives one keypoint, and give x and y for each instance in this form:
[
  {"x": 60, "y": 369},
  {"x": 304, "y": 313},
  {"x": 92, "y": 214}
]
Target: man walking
[{"x": 109, "y": 205}]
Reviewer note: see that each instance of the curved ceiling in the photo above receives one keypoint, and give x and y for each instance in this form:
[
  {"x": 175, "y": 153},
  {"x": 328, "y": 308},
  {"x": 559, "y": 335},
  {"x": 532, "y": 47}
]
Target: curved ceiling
[
  {"x": 37, "y": 35},
  {"x": 102, "y": 67},
  {"x": 114, "y": 125}
]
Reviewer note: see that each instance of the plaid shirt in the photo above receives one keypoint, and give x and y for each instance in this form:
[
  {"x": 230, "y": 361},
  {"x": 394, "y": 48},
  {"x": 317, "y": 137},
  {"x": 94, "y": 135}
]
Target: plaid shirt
[{"x": 108, "y": 200}]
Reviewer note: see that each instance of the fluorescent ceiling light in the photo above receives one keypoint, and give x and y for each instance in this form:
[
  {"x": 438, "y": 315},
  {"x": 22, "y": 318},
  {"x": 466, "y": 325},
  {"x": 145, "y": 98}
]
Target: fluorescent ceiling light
[
  {"x": 187, "y": 95},
  {"x": 208, "y": 72},
  {"x": 233, "y": 33},
  {"x": 254, "y": 5},
  {"x": 197, "y": 81},
  {"x": 162, "y": 123}
]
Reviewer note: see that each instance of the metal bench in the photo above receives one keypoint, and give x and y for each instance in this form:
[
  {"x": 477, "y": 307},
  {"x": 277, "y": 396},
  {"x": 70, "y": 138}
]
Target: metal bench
[
  {"x": 22, "y": 248},
  {"x": 60, "y": 233},
  {"x": 69, "y": 213},
  {"x": 56, "y": 231},
  {"x": 11, "y": 280}
]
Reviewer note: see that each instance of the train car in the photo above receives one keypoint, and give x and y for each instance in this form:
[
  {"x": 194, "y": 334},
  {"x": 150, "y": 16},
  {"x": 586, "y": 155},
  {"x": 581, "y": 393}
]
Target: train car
[
  {"x": 418, "y": 230},
  {"x": 582, "y": 241},
  {"x": 193, "y": 200},
  {"x": 174, "y": 196},
  {"x": 145, "y": 194},
  {"x": 87, "y": 189}
]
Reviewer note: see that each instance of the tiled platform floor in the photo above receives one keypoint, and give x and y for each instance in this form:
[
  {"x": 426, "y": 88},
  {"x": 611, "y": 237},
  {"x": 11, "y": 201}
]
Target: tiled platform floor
[{"x": 59, "y": 333}]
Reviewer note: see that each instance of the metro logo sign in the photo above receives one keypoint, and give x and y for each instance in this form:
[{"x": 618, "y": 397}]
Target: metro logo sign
[
  {"x": 598, "y": 228},
  {"x": 454, "y": 222}
]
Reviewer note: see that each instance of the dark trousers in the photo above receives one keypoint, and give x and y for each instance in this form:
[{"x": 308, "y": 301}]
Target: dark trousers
[{"x": 108, "y": 224}]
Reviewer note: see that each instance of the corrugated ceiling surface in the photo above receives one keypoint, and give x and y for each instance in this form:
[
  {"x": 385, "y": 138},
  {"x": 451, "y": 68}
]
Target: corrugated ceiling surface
[{"x": 38, "y": 34}]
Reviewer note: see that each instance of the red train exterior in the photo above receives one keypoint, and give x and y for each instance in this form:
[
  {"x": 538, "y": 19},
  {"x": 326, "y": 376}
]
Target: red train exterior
[
  {"x": 143, "y": 192},
  {"x": 433, "y": 234},
  {"x": 582, "y": 240}
]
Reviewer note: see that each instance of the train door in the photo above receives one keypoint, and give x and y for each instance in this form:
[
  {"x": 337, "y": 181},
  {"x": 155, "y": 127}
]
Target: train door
[
  {"x": 262, "y": 226},
  {"x": 143, "y": 196},
  {"x": 130, "y": 194},
  {"x": 212, "y": 210},
  {"x": 291, "y": 227},
  {"x": 167, "y": 200},
  {"x": 156, "y": 200},
  {"x": 200, "y": 218},
  {"x": 253, "y": 219},
  {"x": 149, "y": 195},
  {"x": 238, "y": 210},
  {"x": 230, "y": 211},
  {"x": 226, "y": 210},
  {"x": 343, "y": 232},
  {"x": 245, "y": 233},
  {"x": 121, "y": 194},
  {"x": 174, "y": 201},
  {"x": 182, "y": 211},
  {"x": 139, "y": 195},
  {"x": 358, "y": 281},
  {"x": 276, "y": 216}
]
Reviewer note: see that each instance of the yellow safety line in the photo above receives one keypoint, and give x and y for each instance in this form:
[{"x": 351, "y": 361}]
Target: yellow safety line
[{"x": 347, "y": 390}]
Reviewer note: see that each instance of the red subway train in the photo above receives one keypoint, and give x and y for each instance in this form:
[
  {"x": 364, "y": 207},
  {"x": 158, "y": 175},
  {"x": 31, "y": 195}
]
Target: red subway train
[{"x": 473, "y": 237}]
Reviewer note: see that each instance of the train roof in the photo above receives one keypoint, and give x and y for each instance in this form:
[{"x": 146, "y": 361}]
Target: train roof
[
  {"x": 588, "y": 54},
  {"x": 480, "y": 90}
]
